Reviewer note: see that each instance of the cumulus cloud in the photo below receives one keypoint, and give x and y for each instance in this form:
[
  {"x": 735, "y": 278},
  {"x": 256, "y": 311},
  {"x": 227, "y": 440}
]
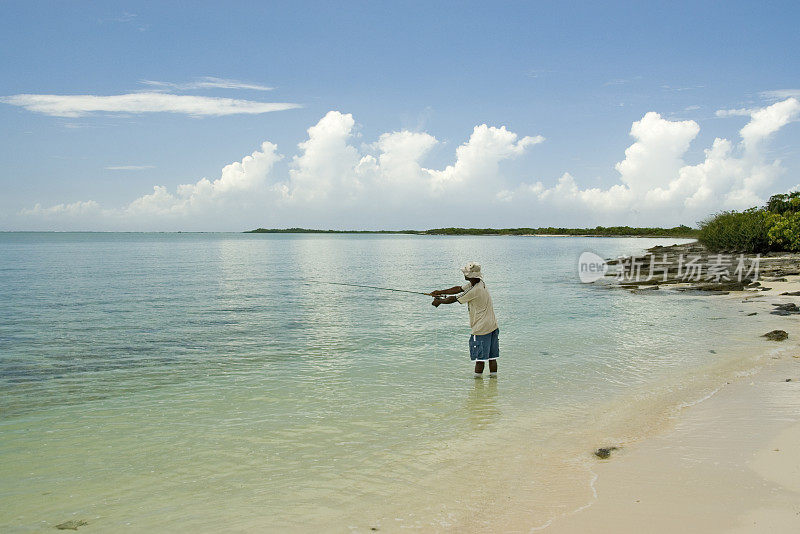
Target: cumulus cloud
[
  {"x": 764, "y": 122},
  {"x": 326, "y": 167},
  {"x": 398, "y": 166},
  {"x": 197, "y": 106},
  {"x": 330, "y": 168},
  {"x": 240, "y": 177},
  {"x": 331, "y": 182},
  {"x": 656, "y": 155},
  {"x": 206, "y": 82},
  {"x": 480, "y": 156},
  {"x": 656, "y": 180}
]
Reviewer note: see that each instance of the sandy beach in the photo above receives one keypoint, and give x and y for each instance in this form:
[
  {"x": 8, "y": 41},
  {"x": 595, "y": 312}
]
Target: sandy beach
[{"x": 729, "y": 463}]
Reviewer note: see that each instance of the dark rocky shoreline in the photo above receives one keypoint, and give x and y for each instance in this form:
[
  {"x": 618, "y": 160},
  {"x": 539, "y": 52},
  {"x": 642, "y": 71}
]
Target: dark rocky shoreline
[{"x": 672, "y": 263}]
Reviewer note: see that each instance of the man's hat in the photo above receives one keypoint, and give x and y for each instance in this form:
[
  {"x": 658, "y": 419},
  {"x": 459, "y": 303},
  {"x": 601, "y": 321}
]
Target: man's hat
[{"x": 472, "y": 270}]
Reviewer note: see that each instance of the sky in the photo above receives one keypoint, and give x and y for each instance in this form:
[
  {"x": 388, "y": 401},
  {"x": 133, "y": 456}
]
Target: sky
[{"x": 209, "y": 116}]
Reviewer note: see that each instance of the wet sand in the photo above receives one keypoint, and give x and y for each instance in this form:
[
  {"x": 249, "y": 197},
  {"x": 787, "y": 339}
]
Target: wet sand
[{"x": 730, "y": 463}]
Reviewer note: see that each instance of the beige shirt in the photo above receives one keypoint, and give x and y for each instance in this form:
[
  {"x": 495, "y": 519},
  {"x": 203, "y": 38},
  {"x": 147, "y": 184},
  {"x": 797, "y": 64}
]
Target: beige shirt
[{"x": 481, "y": 313}]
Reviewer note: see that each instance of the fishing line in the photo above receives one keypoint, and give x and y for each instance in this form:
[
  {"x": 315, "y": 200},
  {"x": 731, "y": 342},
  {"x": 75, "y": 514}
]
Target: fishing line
[{"x": 370, "y": 287}]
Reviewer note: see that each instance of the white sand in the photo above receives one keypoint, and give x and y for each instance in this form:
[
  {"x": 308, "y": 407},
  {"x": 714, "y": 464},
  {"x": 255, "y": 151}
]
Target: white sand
[{"x": 729, "y": 464}]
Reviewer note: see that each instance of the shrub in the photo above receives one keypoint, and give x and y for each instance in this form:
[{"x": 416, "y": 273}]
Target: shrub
[
  {"x": 784, "y": 232},
  {"x": 784, "y": 203},
  {"x": 740, "y": 231}
]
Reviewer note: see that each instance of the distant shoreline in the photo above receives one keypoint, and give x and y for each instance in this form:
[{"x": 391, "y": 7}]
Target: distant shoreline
[
  {"x": 678, "y": 232},
  {"x": 599, "y": 231}
]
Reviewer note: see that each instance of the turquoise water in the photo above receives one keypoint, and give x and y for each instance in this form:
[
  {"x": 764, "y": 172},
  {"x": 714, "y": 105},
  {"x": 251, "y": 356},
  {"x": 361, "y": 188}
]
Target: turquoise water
[{"x": 203, "y": 382}]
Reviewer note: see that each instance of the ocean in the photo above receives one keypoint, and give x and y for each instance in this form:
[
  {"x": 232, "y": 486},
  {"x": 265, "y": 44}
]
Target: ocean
[{"x": 214, "y": 382}]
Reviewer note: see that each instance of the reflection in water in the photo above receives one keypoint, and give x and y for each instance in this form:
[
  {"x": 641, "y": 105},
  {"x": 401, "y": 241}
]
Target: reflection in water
[{"x": 481, "y": 403}]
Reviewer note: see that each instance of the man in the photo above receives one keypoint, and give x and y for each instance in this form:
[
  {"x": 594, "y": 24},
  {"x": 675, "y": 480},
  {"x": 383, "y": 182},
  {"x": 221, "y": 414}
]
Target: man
[{"x": 484, "y": 342}]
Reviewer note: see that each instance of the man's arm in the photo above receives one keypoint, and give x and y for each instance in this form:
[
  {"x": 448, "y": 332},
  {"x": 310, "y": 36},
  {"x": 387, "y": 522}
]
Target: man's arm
[
  {"x": 447, "y": 300},
  {"x": 455, "y": 290}
]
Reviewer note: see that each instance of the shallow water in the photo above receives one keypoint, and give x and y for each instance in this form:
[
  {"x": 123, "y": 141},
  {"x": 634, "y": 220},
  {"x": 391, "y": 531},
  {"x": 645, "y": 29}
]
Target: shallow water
[{"x": 203, "y": 381}]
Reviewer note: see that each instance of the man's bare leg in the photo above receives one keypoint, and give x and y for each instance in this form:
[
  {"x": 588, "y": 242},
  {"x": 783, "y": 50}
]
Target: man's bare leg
[
  {"x": 478, "y": 368},
  {"x": 492, "y": 367}
]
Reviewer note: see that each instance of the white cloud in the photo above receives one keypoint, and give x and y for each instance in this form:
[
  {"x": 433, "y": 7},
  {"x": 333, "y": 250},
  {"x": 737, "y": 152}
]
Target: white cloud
[
  {"x": 399, "y": 164},
  {"x": 329, "y": 169},
  {"x": 386, "y": 184},
  {"x": 326, "y": 167},
  {"x": 207, "y": 82},
  {"x": 656, "y": 155},
  {"x": 781, "y": 94},
  {"x": 87, "y": 207},
  {"x": 654, "y": 178},
  {"x": 236, "y": 181},
  {"x": 766, "y": 121},
  {"x": 479, "y": 157},
  {"x": 740, "y": 112},
  {"x": 198, "y": 106}
]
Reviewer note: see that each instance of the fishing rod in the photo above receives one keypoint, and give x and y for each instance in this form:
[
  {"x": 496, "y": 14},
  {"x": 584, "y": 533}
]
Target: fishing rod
[{"x": 371, "y": 287}]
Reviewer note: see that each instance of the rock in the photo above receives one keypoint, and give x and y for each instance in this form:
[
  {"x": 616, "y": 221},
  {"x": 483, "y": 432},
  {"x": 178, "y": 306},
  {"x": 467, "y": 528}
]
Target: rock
[
  {"x": 774, "y": 266},
  {"x": 701, "y": 291},
  {"x": 722, "y": 286},
  {"x": 776, "y": 335},
  {"x": 765, "y": 288},
  {"x": 647, "y": 289},
  {"x": 790, "y": 308},
  {"x": 791, "y": 293},
  {"x": 788, "y": 379},
  {"x": 72, "y": 524},
  {"x": 604, "y": 452},
  {"x": 751, "y": 314},
  {"x": 712, "y": 351}
]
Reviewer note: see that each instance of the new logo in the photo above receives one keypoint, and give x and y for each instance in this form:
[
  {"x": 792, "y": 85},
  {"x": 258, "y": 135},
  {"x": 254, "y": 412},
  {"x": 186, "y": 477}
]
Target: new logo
[{"x": 591, "y": 267}]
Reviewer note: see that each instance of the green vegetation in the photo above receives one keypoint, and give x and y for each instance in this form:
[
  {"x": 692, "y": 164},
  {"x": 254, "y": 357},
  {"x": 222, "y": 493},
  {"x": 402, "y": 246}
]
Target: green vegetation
[
  {"x": 745, "y": 231},
  {"x": 605, "y": 231},
  {"x": 610, "y": 231},
  {"x": 784, "y": 231},
  {"x": 775, "y": 226}
]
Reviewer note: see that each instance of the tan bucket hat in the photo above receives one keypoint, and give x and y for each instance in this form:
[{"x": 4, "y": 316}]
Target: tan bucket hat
[{"x": 472, "y": 270}]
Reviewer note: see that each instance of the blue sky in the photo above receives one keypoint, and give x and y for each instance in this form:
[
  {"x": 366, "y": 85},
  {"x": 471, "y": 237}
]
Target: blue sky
[{"x": 579, "y": 75}]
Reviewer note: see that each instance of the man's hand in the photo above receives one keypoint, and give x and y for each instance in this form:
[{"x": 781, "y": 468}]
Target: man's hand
[{"x": 446, "y": 300}]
